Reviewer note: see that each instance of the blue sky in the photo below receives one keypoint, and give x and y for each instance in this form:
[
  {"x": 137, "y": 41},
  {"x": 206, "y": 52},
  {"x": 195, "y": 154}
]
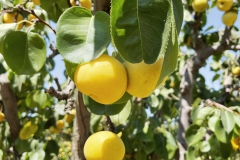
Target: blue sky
[{"x": 214, "y": 19}]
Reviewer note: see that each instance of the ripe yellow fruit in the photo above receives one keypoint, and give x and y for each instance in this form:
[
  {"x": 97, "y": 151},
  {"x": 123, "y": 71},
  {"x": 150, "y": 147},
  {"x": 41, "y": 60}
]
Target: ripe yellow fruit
[
  {"x": 73, "y": 2},
  {"x": 2, "y": 117},
  {"x": 36, "y": 2},
  {"x": 53, "y": 130},
  {"x": 86, "y": 3},
  {"x": 142, "y": 77},
  {"x": 224, "y": 5},
  {"x": 60, "y": 124},
  {"x": 103, "y": 79},
  {"x": 10, "y": 18},
  {"x": 31, "y": 17},
  {"x": 28, "y": 130},
  {"x": 69, "y": 117},
  {"x": 229, "y": 18},
  {"x": 104, "y": 145},
  {"x": 236, "y": 71},
  {"x": 200, "y": 5},
  {"x": 235, "y": 143}
]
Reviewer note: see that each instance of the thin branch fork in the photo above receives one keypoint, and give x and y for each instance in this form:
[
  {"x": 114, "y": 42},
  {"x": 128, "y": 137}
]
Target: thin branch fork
[
  {"x": 54, "y": 51},
  {"x": 21, "y": 8},
  {"x": 65, "y": 94}
]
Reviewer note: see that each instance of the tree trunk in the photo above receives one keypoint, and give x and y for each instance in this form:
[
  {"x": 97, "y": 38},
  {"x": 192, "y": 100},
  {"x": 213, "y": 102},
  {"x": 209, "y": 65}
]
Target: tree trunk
[
  {"x": 81, "y": 129},
  {"x": 10, "y": 106}
]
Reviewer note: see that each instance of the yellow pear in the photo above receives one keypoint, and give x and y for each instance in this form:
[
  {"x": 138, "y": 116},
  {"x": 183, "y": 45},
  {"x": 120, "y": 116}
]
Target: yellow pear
[
  {"x": 200, "y": 5},
  {"x": 224, "y": 5},
  {"x": 142, "y": 77},
  {"x": 236, "y": 71},
  {"x": 2, "y": 117},
  {"x": 103, "y": 79},
  {"x": 86, "y": 3},
  {"x": 104, "y": 145},
  {"x": 229, "y": 18}
]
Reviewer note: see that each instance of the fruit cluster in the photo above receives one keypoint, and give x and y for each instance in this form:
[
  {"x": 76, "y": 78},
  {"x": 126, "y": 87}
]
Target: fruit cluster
[
  {"x": 60, "y": 123},
  {"x": 230, "y": 15},
  {"x": 106, "y": 79}
]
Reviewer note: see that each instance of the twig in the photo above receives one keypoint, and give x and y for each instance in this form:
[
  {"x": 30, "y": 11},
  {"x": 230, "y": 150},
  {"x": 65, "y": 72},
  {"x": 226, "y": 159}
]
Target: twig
[
  {"x": 33, "y": 13},
  {"x": 54, "y": 50},
  {"x": 65, "y": 94},
  {"x": 58, "y": 84},
  {"x": 110, "y": 124},
  {"x": 220, "y": 106}
]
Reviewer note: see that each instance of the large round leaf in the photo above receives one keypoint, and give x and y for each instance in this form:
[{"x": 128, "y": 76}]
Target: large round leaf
[
  {"x": 220, "y": 132},
  {"x": 24, "y": 52},
  {"x": 82, "y": 37},
  {"x": 5, "y": 29},
  {"x": 101, "y": 109},
  {"x": 141, "y": 30}
]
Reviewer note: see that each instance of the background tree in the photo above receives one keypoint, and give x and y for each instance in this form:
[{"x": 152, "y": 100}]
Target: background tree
[{"x": 182, "y": 118}]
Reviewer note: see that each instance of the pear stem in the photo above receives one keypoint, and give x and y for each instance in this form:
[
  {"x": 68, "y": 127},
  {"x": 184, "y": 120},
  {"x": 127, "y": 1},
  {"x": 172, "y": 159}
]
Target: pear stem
[{"x": 110, "y": 124}]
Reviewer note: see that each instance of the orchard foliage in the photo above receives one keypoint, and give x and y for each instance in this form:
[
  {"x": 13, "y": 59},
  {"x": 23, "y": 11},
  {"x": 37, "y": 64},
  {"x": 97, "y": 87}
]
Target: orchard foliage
[{"x": 138, "y": 31}]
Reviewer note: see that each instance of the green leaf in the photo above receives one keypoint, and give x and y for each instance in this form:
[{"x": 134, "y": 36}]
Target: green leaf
[
  {"x": 227, "y": 121},
  {"x": 171, "y": 144},
  {"x": 123, "y": 115},
  {"x": 238, "y": 3},
  {"x": 25, "y": 53},
  {"x": 204, "y": 146},
  {"x": 149, "y": 147},
  {"x": 237, "y": 119},
  {"x": 1, "y": 154},
  {"x": 82, "y": 37},
  {"x": 216, "y": 77},
  {"x": 52, "y": 147},
  {"x": 140, "y": 155},
  {"x": 95, "y": 122},
  {"x": 191, "y": 153},
  {"x": 194, "y": 134},
  {"x": 212, "y": 122},
  {"x": 153, "y": 100},
  {"x": 147, "y": 134},
  {"x": 214, "y": 147},
  {"x": 39, "y": 155},
  {"x": 220, "y": 132},
  {"x": 225, "y": 149},
  {"x": 4, "y": 30},
  {"x": 40, "y": 99},
  {"x": 202, "y": 115},
  {"x": 124, "y": 98},
  {"x": 70, "y": 68},
  {"x": 22, "y": 145},
  {"x": 160, "y": 149},
  {"x": 101, "y": 109},
  {"x": 141, "y": 29}
]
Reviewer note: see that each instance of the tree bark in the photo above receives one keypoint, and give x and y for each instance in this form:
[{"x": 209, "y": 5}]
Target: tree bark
[
  {"x": 10, "y": 106},
  {"x": 81, "y": 129},
  {"x": 191, "y": 68}
]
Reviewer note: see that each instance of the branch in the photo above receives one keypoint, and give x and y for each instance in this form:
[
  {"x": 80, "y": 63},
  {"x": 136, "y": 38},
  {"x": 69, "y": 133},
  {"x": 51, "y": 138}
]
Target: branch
[
  {"x": 54, "y": 50},
  {"x": 81, "y": 129},
  {"x": 65, "y": 94},
  {"x": 198, "y": 43},
  {"x": 10, "y": 106},
  {"x": 21, "y": 8},
  {"x": 110, "y": 124}
]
